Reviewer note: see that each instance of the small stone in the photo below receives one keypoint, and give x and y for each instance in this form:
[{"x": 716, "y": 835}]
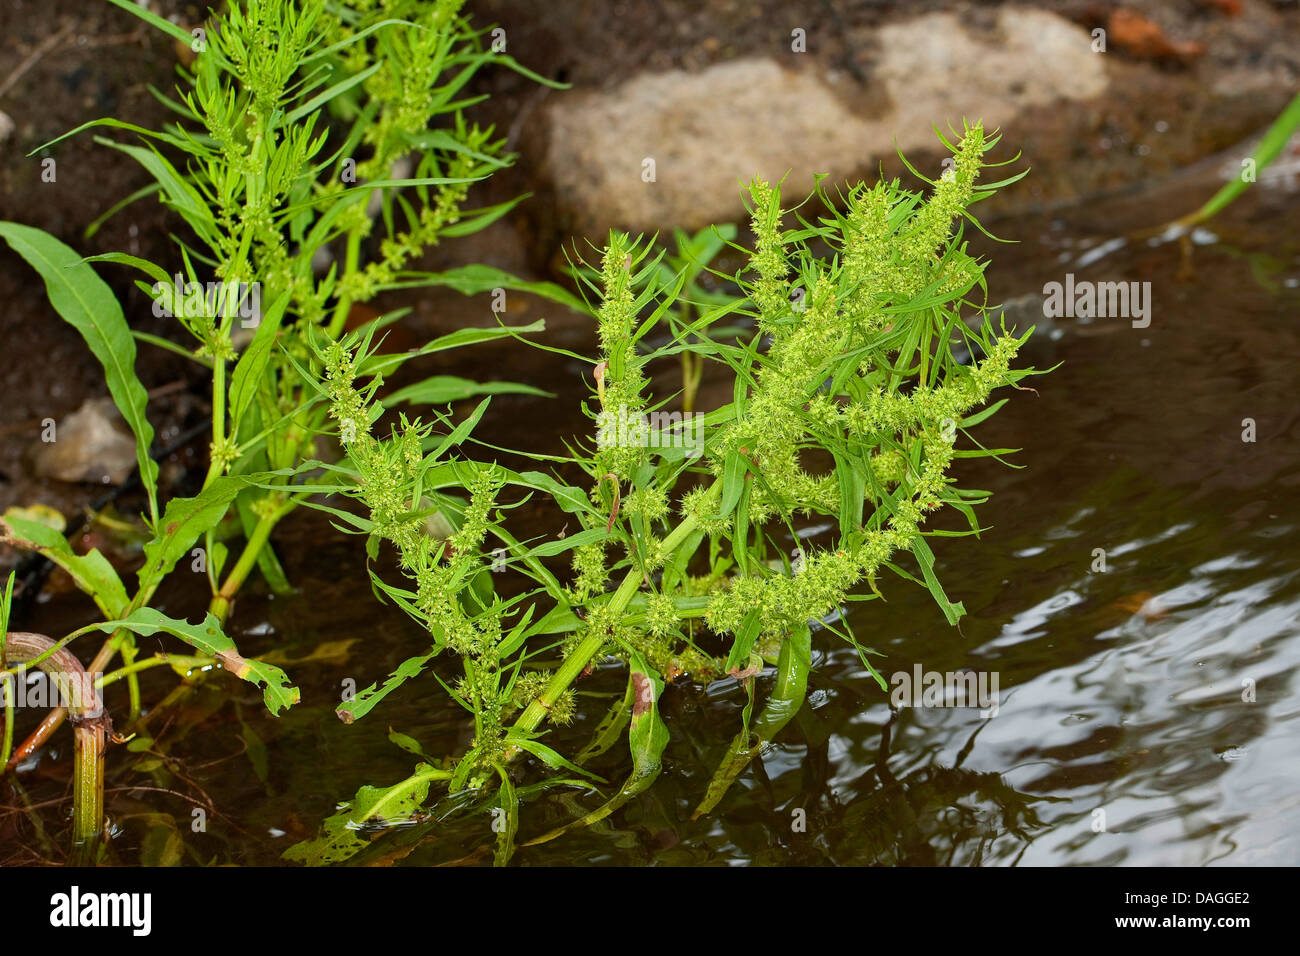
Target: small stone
[{"x": 90, "y": 445}]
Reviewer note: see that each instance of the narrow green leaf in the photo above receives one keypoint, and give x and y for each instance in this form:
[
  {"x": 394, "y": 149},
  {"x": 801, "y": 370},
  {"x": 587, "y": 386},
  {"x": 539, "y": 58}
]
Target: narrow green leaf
[
  {"x": 339, "y": 88},
  {"x": 166, "y": 26},
  {"x": 461, "y": 431},
  {"x": 365, "y": 700},
  {"x": 568, "y": 543},
  {"x": 379, "y": 364},
  {"x": 925, "y": 558},
  {"x": 177, "y": 191},
  {"x": 153, "y": 271},
  {"x": 970, "y": 421},
  {"x": 546, "y": 755},
  {"x": 744, "y": 641},
  {"x": 251, "y": 367},
  {"x": 850, "y": 472},
  {"x": 1275, "y": 138},
  {"x": 442, "y": 389},
  {"x": 162, "y": 343}
]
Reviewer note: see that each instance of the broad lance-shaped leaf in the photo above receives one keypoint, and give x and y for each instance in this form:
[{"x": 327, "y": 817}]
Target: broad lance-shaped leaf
[
  {"x": 784, "y": 702},
  {"x": 183, "y": 523},
  {"x": 85, "y": 302},
  {"x": 208, "y": 637},
  {"x": 341, "y": 835},
  {"x": 647, "y": 736},
  {"x": 735, "y": 470},
  {"x": 408, "y": 743},
  {"x": 361, "y": 704},
  {"x": 570, "y": 499},
  {"x": 91, "y": 571}
]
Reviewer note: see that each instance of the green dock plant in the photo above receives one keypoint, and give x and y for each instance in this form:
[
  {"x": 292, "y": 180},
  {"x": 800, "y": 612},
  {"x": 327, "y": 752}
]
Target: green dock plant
[
  {"x": 850, "y": 402},
  {"x": 318, "y": 149}
]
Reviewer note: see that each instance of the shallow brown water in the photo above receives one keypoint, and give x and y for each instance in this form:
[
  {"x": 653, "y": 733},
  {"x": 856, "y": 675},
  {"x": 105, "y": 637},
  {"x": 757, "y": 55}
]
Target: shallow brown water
[{"x": 1121, "y": 693}]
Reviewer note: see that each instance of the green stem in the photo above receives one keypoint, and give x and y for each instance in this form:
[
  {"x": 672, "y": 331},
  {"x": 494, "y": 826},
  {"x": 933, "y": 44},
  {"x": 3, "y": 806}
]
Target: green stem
[
  {"x": 156, "y": 661},
  {"x": 7, "y": 686},
  {"x": 220, "y": 606},
  {"x": 215, "y": 466},
  {"x": 351, "y": 258},
  {"x": 88, "y": 787},
  {"x": 90, "y": 731},
  {"x": 692, "y": 371},
  {"x": 581, "y": 655},
  {"x": 132, "y": 682}
]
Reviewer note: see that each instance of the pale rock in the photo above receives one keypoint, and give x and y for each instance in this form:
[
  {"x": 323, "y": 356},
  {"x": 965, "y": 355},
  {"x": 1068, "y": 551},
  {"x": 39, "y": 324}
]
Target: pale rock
[
  {"x": 90, "y": 445},
  {"x": 711, "y": 131}
]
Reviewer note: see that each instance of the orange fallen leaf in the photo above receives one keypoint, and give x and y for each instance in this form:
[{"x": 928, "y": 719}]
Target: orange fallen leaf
[
  {"x": 1142, "y": 38},
  {"x": 1230, "y": 7}
]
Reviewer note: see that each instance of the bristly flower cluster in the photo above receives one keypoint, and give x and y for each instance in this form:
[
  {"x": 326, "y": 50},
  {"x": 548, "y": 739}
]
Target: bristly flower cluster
[
  {"x": 830, "y": 380},
  {"x": 853, "y": 366},
  {"x": 397, "y": 479}
]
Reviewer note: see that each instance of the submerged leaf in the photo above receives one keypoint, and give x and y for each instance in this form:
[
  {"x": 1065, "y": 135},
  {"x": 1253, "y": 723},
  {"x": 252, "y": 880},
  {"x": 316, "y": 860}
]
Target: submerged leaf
[
  {"x": 609, "y": 728},
  {"x": 343, "y": 834},
  {"x": 505, "y": 820}
]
